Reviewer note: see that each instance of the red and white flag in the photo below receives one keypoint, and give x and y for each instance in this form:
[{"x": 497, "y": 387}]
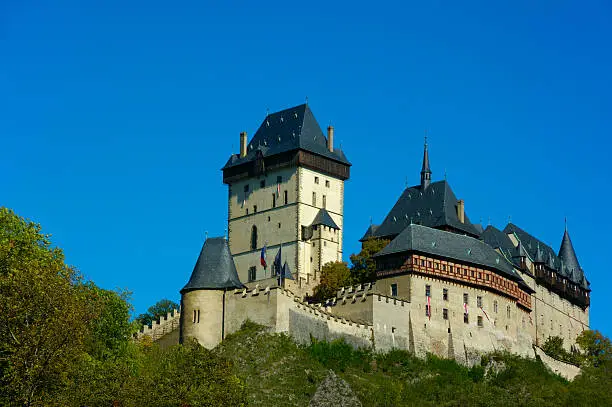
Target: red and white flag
[
  {"x": 465, "y": 308},
  {"x": 277, "y": 189},
  {"x": 429, "y": 307}
]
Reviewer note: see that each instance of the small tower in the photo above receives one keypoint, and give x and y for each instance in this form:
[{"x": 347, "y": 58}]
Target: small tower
[
  {"x": 203, "y": 297},
  {"x": 567, "y": 253},
  {"x": 425, "y": 171}
]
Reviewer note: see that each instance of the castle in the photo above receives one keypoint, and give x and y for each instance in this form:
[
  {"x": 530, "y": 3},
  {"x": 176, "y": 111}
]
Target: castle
[{"x": 444, "y": 285}]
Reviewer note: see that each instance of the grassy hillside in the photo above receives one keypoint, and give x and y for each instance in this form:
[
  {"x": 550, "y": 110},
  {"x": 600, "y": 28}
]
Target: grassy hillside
[{"x": 277, "y": 372}]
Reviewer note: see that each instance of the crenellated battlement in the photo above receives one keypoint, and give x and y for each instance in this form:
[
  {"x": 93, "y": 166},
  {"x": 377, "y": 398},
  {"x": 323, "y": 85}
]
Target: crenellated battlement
[{"x": 162, "y": 326}]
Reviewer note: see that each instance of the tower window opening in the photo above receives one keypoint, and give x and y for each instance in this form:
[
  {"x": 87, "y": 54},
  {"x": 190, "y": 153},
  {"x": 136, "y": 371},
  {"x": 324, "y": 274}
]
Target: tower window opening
[
  {"x": 252, "y": 274},
  {"x": 324, "y": 201},
  {"x": 254, "y": 237},
  {"x": 316, "y": 180},
  {"x": 274, "y": 200},
  {"x": 286, "y": 198},
  {"x": 314, "y": 199}
]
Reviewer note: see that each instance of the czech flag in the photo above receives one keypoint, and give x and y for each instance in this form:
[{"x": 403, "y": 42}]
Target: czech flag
[{"x": 262, "y": 259}]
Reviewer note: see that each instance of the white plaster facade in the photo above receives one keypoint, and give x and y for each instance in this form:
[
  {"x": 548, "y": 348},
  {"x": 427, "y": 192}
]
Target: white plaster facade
[{"x": 279, "y": 205}]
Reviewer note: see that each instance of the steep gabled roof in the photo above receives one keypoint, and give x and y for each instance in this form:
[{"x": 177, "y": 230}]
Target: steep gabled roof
[
  {"x": 563, "y": 264},
  {"x": 215, "y": 268},
  {"x": 531, "y": 243},
  {"x": 324, "y": 218},
  {"x": 291, "y": 129},
  {"x": 498, "y": 240},
  {"x": 449, "y": 245},
  {"x": 436, "y": 207}
]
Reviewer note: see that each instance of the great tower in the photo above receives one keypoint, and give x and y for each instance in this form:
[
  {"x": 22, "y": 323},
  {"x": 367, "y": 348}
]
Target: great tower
[{"x": 286, "y": 187}]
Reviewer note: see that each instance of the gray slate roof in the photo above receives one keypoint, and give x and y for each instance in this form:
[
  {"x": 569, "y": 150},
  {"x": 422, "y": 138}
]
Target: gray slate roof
[
  {"x": 215, "y": 268},
  {"x": 531, "y": 245},
  {"x": 369, "y": 233},
  {"x": 499, "y": 240},
  {"x": 567, "y": 253},
  {"x": 291, "y": 129},
  {"x": 436, "y": 206},
  {"x": 324, "y": 218},
  {"x": 451, "y": 246}
]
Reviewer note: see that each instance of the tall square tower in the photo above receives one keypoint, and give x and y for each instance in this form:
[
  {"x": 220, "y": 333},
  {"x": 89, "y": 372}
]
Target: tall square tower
[{"x": 286, "y": 187}]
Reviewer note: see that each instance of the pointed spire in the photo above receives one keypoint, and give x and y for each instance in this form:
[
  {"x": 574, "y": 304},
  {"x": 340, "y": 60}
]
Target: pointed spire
[
  {"x": 539, "y": 258},
  {"x": 425, "y": 170},
  {"x": 567, "y": 253}
]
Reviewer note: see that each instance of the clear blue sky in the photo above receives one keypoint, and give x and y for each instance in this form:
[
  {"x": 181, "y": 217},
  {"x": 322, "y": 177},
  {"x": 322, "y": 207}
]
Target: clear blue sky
[{"x": 116, "y": 117}]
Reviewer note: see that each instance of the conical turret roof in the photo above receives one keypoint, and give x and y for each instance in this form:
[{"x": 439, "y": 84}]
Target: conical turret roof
[
  {"x": 215, "y": 268},
  {"x": 567, "y": 253}
]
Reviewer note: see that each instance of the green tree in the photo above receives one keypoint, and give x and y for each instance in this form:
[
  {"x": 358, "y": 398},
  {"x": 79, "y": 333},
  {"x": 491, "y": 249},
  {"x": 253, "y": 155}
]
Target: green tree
[
  {"x": 159, "y": 309},
  {"x": 334, "y": 275},
  {"x": 592, "y": 386},
  {"x": 364, "y": 266},
  {"x": 44, "y": 316},
  {"x": 596, "y": 348}
]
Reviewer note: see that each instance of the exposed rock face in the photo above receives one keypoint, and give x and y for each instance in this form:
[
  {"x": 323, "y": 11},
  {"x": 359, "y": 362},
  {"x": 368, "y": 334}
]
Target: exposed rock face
[{"x": 334, "y": 392}]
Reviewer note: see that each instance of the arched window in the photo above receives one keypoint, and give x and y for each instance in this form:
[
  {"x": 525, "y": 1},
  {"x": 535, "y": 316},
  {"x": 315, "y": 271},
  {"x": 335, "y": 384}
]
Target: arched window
[
  {"x": 254, "y": 238},
  {"x": 508, "y": 311}
]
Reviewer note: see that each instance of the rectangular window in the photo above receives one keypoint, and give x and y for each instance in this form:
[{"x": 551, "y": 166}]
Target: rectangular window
[
  {"x": 466, "y": 318},
  {"x": 254, "y": 208},
  {"x": 252, "y": 273},
  {"x": 198, "y": 316},
  {"x": 274, "y": 200},
  {"x": 394, "y": 290},
  {"x": 479, "y": 302},
  {"x": 247, "y": 211},
  {"x": 286, "y": 198},
  {"x": 427, "y": 291},
  {"x": 193, "y": 319},
  {"x": 262, "y": 183},
  {"x": 316, "y": 180},
  {"x": 427, "y": 311},
  {"x": 314, "y": 199},
  {"x": 445, "y": 294},
  {"x": 445, "y": 313},
  {"x": 327, "y": 183},
  {"x": 324, "y": 201},
  {"x": 480, "y": 321},
  {"x": 465, "y": 298}
]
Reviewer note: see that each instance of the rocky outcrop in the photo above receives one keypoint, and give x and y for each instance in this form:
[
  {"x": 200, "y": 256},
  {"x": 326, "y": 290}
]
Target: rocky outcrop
[{"x": 334, "y": 391}]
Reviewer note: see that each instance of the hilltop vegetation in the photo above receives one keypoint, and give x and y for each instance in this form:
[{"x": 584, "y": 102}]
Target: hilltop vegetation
[
  {"x": 66, "y": 342},
  {"x": 277, "y": 372}
]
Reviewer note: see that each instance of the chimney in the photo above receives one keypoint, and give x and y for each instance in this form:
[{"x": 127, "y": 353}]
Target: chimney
[
  {"x": 243, "y": 144},
  {"x": 461, "y": 210},
  {"x": 330, "y": 138}
]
